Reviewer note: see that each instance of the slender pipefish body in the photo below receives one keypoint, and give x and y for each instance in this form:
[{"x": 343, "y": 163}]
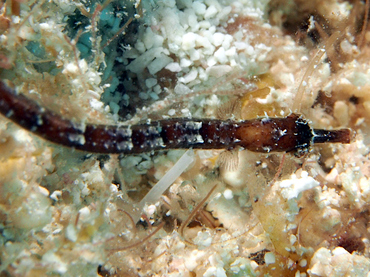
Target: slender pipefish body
[{"x": 286, "y": 134}]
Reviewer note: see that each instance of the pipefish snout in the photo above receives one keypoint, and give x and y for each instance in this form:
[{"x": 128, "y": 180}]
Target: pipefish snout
[{"x": 288, "y": 134}]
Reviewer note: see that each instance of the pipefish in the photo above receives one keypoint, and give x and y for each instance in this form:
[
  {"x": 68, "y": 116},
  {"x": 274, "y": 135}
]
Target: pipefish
[{"x": 286, "y": 134}]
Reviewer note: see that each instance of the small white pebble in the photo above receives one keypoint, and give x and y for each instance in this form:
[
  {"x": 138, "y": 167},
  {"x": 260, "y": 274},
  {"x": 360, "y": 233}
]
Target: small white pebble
[
  {"x": 254, "y": 265},
  {"x": 210, "y": 12},
  {"x": 70, "y": 68},
  {"x": 148, "y": 38},
  {"x": 303, "y": 263},
  {"x": 191, "y": 76},
  {"x": 269, "y": 258},
  {"x": 140, "y": 46},
  {"x": 181, "y": 89},
  {"x": 360, "y": 121},
  {"x": 292, "y": 239},
  {"x": 96, "y": 104},
  {"x": 291, "y": 226},
  {"x": 218, "y": 70},
  {"x": 71, "y": 233},
  {"x": 43, "y": 191},
  {"x": 159, "y": 63},
  {"x": 43, "y": 26},
  {"x": 154, "y": 96},
  {"x": 339, "y": 251},
  {"x": 157, "y": 89},
  {"x": 346, "y": 46},
  {"x": 211, "y": 61},
  {"x": 84, "y": 214},
  {"x": 227, "y": 41},
  {"x": 185, "y": 112},
  {"x": 205, "y": 24},
  {"x": 194, "y": 54},
  {"x": 143, "y": 95},
  {"x": 231, "y": 52},
  {"x": 188, "y": 41},
  {"x": 228, "y": 194},
  {"x": 150, "y": 82},
  {"x": 185, "y": 62},
  {"x": 199, "y": 8},
  {"x": 171, "y": 112},
  {"x": 151, "y": 209},
  {"x": 218, "y": 38},
  {"x": 113, "y": 188},
  {"x": 220, "y": 55},
  {"x": 173, "y": 67},
  {"x": 232, "y": 178}
]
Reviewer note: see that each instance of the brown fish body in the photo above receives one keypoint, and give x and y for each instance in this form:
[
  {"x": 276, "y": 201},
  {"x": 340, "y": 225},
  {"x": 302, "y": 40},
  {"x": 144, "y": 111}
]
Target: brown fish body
[{"x": 287, "y": 134}]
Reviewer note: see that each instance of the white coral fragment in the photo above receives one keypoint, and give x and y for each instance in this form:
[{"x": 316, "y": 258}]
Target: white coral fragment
[
  {"x": 338, "y": 263},
  {"x": 291, "y": 188}
]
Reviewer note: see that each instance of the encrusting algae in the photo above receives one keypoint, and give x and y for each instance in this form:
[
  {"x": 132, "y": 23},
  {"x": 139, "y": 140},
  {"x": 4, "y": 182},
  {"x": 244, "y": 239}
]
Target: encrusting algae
[{"x": 200, "y": 212}]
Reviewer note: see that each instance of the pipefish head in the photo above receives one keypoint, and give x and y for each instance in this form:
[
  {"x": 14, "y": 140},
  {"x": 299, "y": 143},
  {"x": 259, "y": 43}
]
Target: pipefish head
[
  {"x": 314, "y": 136},
  {"x": 288, "y": 134},
  {"x": 308, "y": 136}
]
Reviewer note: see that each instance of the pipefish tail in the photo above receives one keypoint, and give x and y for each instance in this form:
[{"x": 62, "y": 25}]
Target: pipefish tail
[{"x": 288, "y": 134}]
